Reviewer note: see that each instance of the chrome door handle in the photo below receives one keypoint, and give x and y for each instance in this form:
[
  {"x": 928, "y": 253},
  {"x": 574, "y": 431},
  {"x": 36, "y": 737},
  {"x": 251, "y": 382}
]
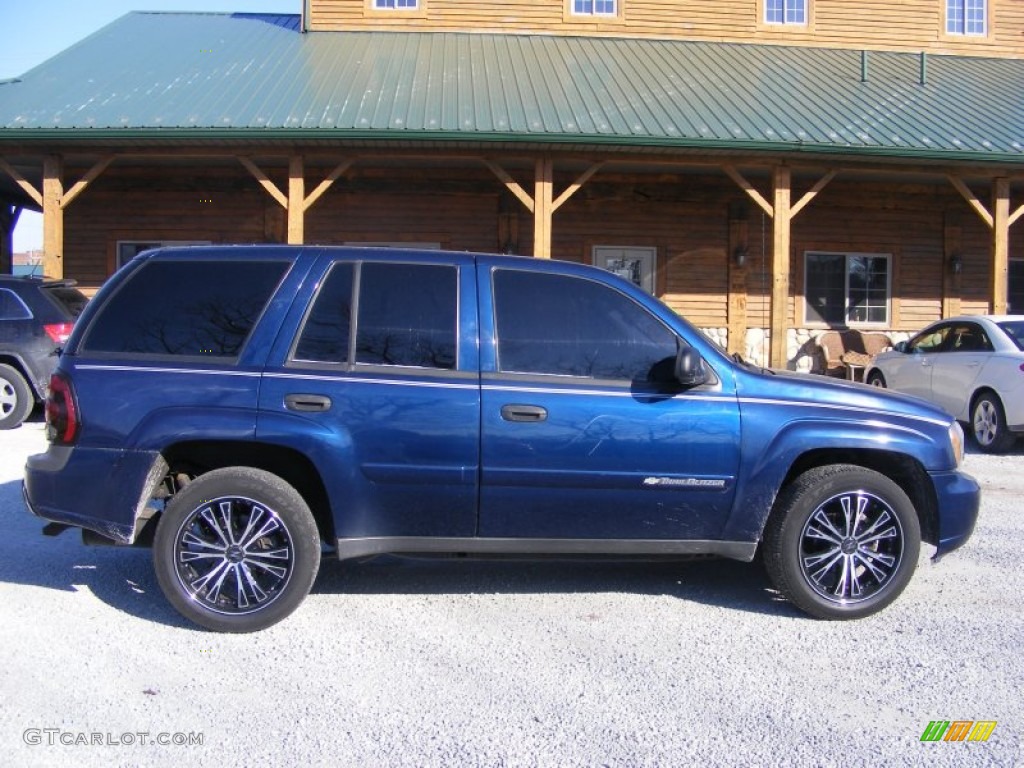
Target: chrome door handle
[
  {"x": 307, "y": 403},
  {"x": 513, "y": 412}
]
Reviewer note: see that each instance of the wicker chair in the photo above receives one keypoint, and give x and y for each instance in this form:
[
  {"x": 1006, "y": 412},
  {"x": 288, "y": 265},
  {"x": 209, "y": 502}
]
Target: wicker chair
[{"x": 848, "y": 353}]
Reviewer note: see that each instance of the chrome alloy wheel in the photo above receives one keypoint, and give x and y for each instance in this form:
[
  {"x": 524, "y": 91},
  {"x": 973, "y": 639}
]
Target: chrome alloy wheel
[
  {"x": 233, "y": 555},
  {"x": 8, "y": 397},
  {"x": 986, "y": 422},
  {"x": 850, "y": 546}
]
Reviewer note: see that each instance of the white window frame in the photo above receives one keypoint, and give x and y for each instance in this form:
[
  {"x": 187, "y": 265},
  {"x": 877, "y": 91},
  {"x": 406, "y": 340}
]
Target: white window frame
[
  {"x": 787, "y": 5},
  {"x": 846, "y": 321},
  {"x": 393, "y": 5},
  {"x": 593, "y": 12},
  {"x": 957, "y": 26},
  {"x": 120, "y": 262},
  {"x": 606, "y": 256}
]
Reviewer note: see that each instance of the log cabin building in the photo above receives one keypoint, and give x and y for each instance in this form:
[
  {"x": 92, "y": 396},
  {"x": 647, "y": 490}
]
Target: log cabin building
[{"x": 770, "y": 168}]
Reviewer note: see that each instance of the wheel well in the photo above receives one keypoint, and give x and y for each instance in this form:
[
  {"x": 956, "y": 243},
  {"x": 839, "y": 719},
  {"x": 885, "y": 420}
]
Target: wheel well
[
  {"x": 903, "y": 470},
  {"x": 979, "y": 393},
  {"x": 197, "y": 458},
  {"x": 19, "y": 366}
]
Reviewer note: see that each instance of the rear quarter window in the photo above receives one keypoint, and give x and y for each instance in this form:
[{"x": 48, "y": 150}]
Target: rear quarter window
[
  {"x": 11, "y": 307},
  {"x": 185, "y": 308}
]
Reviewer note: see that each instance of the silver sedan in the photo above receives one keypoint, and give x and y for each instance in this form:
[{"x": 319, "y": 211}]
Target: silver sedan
[{"x": 973, "y": 366}]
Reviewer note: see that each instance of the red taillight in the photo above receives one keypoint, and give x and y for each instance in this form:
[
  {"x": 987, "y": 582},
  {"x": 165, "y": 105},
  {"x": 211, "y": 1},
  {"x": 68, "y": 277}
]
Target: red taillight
[
  {"x": 61, "y": 411},
  {"x": 58, "y": 332}
]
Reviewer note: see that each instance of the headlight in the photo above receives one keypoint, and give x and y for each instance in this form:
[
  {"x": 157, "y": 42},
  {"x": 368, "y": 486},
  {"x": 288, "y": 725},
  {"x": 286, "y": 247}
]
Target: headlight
[{"x": 956, "y": 441}]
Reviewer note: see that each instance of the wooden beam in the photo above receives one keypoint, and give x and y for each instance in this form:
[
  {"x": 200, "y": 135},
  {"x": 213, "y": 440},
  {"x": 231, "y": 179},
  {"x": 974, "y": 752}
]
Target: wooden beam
[
  {"x": 80, "y": 185},
  {"x": 812, "y": 193},
  {"x": 296, "y": 200},
  {"x": 782, "y": 180},
  {"x": 265, "y": 182},
  {"x": 324, "y": 185},
  {"x": 544, "y": 172},
  {"x": 573, "y": 188},
  {"x": 1015, "y": 215},
  {"x": 1000, "y": 244},
  {"x": 31, "y": 191},
  {"x": 510, "y": 183},
  {"x": 53, "y": 217},
  {"x": 974, "y": 202},
  {"x": 747, "y": 187}
]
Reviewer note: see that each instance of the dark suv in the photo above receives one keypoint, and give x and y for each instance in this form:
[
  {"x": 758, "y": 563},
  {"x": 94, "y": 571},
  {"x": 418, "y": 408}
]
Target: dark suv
[
  {"x": 36, "y": 317},
  {"x": 246, "y": 409}
]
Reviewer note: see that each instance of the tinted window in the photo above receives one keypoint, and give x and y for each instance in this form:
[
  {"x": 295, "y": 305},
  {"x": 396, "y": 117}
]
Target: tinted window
[
  {"x": 72, "y": 299},
  {"x": 195, "y": 308},
  {"x": 11, "y": 307},
  {"x": 407, "y": 315},
  {"x": 325, "y": 336},
  {"x": 569, "y": 326}
]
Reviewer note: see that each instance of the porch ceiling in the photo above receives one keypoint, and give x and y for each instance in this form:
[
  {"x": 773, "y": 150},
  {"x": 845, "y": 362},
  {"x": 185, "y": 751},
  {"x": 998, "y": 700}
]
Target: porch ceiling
[{"x": 232, "y": 79}]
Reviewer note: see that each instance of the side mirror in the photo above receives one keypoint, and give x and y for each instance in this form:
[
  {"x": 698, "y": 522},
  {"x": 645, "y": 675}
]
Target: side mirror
[
  {"x": 690, "y": 370},
  {"x": 901, "y": 346}
]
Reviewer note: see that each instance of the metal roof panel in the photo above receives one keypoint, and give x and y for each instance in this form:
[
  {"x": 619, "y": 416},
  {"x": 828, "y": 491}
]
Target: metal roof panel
[{"x": 258, "y": 75}]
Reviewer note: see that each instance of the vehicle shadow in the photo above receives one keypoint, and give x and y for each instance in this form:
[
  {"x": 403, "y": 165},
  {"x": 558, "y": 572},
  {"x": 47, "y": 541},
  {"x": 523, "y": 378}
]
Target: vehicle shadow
[{"x": 123, "y": 578}]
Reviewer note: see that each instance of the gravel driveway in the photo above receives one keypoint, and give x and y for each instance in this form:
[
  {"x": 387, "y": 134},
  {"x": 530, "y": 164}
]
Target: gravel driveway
[{"x": 451, "y": 663}]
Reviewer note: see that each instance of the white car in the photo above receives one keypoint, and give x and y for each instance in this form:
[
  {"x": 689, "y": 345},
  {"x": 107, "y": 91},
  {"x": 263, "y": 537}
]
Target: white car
[{"x": 973, "y": 366}]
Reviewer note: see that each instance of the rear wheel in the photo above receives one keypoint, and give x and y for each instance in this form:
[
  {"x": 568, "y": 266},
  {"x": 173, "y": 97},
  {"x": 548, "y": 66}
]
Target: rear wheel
[
  {"x": 988, "y": 425},
  {"x": 16, "y": 400},
  {"x": 236, "y": 550},
  {"x": 842, "y": 542}
]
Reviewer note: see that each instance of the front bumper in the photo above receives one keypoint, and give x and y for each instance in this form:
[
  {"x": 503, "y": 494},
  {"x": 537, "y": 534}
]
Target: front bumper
[{"x": 959, "y": 498}]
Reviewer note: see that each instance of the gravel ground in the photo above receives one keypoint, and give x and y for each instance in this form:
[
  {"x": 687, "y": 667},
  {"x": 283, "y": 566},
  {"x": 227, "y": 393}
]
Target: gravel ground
[{"x": 451, "y": 663}]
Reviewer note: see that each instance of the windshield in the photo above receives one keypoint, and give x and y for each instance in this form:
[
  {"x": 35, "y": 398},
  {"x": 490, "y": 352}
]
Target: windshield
[{"x": 1015, "y": 330}]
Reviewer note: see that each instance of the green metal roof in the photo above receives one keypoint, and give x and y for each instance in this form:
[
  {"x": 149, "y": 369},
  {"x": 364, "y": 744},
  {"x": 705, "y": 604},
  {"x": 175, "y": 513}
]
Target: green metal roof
[{"x": 252, "y": 76}]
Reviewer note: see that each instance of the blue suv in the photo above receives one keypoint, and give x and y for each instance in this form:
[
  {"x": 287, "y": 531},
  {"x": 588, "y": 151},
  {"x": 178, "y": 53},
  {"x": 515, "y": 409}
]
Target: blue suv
[{"x": 245, "y": 409}]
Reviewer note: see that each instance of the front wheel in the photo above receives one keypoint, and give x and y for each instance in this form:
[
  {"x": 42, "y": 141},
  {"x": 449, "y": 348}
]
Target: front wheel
[
  {"x": 988, "y": 425},
  {"x": 16, "y": 398},
  {"x": 842, "y": 542},
  {"x": 236, "y": 550},
  {"x": 876, "y": 379}
]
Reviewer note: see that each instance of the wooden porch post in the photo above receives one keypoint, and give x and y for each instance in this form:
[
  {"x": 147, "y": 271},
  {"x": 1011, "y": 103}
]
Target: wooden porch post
[
  {"x": 53, "y": 216},
  {"x": 296, "y": 200},
  {"x": 780, "y": 267},
  {"x": 8, "y": 220},
  {"x": 1000, "y": 244},
  {"x": 543, "y": 209},
  {"x": 951, "y": 238}
]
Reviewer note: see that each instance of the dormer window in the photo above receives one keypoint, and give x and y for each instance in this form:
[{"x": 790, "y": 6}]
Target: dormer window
[
  {"x": 594, "y": 7},
  {"x": 785, "y": 12},
  {"x": 396, "y": 5},
  {"x": 966, "y": 17}
]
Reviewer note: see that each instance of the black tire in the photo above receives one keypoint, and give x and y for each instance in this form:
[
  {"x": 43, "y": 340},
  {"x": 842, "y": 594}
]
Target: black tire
[
  {"x": 833, "y": 567},
  {"x": 236, "y": 550},
  {"x": 16, "y": 398},
  {"x": 876, "y": 379},
  {"x": 988, "y": 424}
]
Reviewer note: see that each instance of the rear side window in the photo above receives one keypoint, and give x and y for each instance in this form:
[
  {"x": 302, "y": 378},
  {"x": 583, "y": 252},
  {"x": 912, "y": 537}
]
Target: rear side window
[
  {"x": 407, "y": 315},
  {"x": 326, "y": 333},
  {"x": 185, "y": 308},
  {"x": 11, "y": 307}
]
